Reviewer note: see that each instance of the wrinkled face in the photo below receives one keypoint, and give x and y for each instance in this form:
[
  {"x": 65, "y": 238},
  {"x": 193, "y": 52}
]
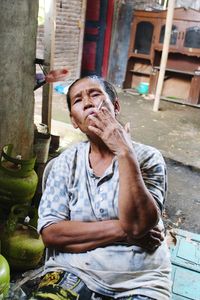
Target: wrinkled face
[{"x": 86, "y": 96}]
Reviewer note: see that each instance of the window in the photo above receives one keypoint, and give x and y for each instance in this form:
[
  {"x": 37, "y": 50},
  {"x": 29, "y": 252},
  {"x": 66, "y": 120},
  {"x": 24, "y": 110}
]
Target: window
[
  {"x": 143, "y": 37},
  {"x": 174, "y": 35},
  {"x": 192, "y": 37}
]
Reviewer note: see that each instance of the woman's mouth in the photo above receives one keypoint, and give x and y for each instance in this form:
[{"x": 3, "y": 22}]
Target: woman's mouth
[{"x": 90, "y": 113}]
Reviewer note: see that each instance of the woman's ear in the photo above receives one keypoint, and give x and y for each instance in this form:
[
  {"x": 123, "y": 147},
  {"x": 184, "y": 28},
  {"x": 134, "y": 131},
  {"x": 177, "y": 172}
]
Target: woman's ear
[
  {"x": 73, "y": 122},
  {"x": 116, "y": 107}
]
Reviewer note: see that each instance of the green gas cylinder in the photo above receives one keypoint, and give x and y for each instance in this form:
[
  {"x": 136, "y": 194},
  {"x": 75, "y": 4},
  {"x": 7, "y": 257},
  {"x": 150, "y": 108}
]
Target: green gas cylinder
[
  {"x": 21, "y": 245},
  {"x": 4, "y": 277},
  {"x": 23, "y": 248},
  {"x": 18, "y": 179}
]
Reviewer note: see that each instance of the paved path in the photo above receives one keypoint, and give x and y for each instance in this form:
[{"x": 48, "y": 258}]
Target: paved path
[{"x": 174, "y": 129}]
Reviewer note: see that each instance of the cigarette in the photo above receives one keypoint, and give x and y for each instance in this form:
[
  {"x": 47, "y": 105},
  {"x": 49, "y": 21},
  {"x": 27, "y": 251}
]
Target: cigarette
[{"x": 100, "y": 105}]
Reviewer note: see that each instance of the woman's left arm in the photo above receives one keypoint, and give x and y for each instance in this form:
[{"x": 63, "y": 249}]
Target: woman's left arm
[{"x": 138, "y": 211}]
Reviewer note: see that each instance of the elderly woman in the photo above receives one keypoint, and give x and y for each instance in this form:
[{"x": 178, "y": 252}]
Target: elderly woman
[{"x": 101, "y": 209}]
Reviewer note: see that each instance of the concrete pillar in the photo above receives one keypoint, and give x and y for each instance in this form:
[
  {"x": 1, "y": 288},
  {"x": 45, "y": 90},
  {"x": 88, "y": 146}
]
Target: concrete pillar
[{"x": 18, "y": 29}]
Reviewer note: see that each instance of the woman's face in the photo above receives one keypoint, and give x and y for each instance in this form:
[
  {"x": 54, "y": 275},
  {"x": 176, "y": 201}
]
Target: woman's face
[{"x": 87, "y": 96}]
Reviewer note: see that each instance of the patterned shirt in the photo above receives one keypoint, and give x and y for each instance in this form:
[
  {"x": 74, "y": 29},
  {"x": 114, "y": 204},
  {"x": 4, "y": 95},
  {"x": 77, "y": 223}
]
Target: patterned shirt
[{"x": 73, "y": 192}]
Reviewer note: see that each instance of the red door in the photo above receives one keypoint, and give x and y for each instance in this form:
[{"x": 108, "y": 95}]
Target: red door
[{"x": 97, "y": 36}]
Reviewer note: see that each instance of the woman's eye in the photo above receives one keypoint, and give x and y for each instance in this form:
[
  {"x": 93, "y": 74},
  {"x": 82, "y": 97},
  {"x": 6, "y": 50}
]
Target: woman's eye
[
  {"x": 96, "y": 94},
  {"x": 77, "y": 100}
]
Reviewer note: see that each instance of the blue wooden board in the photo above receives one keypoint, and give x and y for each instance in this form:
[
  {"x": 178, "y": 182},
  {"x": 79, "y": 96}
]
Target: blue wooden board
[{"x": 185, "y": 258}]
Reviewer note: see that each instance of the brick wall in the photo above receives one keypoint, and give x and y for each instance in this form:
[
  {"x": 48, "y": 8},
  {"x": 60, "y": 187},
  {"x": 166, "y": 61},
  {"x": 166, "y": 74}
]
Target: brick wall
[{"x": 70, "y": 16}]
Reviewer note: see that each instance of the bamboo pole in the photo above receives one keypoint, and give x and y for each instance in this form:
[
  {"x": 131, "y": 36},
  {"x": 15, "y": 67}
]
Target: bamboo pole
[
  {"x": 49, "y": 39},
  {"x": 165, "y": 5},
  {"x": 81, "y": 37},
  {"x": 168, "y": 29}
]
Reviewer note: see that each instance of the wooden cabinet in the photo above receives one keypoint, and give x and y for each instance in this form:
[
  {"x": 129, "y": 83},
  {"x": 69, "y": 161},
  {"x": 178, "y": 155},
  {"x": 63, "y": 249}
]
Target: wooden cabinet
[
  {"x": 141, "y": 48},
  {"x": 146, "y": 43},
  {"x": 191, "y": 38},
  {"x": 185, "y": 37},
  {"x": 175, "y": 36},
  {"x": 142, "y": 39}
]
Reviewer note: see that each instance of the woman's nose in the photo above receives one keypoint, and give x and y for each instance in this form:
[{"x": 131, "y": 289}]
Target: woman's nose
[{"x": 87, "y": 102}]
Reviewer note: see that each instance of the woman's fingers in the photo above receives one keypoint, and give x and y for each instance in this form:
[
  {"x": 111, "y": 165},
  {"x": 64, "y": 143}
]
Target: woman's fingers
[
  {"x": 157, "y": 234},
  {"x": 127, "y": 128},
  {"x": 151, "y": 241},
  {"x": 102, "y": 118},
  {"x": 95, "y": 130},
  {"x": 154, "y": 239},
  {"x": 94, "y": 121}
]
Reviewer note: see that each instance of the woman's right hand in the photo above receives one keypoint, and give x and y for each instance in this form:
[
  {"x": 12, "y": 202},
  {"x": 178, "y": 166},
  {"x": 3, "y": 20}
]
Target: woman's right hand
[{"x": 151, "y": 241}]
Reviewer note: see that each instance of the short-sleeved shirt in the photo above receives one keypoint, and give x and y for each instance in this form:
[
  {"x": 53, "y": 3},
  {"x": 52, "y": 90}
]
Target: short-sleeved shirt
[{"x": 74, "y": 192}]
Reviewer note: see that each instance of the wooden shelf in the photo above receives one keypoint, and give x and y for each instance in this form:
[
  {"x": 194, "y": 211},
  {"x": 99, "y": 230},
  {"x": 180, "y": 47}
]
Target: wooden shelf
[
  {"x": 145, "y": 51},
  {"x": 139, "y": 72},
  {"x": 140, "y": 55},
  {"x": 176, "y": 71}
]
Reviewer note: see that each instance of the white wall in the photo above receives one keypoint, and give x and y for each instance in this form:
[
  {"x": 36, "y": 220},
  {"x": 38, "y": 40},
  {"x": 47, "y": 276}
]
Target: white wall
[{"x": 195, "y": 4}]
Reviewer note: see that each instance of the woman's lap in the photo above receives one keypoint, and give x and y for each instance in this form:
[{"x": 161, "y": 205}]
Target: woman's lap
[{"x": 66, "y": 286}]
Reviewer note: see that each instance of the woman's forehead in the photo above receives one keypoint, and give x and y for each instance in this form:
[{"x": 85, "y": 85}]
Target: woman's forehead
[{"x": 85, "y": 84}]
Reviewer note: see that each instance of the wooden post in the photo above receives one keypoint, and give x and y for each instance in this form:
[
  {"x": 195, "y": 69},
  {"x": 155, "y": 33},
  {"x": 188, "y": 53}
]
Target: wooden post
[
  {"x": 164, "y": 56},
  {"x": 81, "y": 37},
  {"x": 165, "y": 5},
  {"x": 18, "y": 31},
  {"x": 49, "y": 38},
  {"x": 194, "y": 95}
]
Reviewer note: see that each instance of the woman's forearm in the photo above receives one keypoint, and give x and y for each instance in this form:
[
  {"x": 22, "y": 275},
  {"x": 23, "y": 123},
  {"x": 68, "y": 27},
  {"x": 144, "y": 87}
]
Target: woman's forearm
[
  {"x": 76, "y": 236},
  {"x": 137, "y": 209}
]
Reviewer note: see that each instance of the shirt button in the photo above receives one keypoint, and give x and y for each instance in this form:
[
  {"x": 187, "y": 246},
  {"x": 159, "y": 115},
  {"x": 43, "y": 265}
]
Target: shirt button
[{"x": 101, "y": 210}]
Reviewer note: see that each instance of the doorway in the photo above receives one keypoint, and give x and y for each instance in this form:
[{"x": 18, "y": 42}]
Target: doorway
[{"x": 96, "y": 45}]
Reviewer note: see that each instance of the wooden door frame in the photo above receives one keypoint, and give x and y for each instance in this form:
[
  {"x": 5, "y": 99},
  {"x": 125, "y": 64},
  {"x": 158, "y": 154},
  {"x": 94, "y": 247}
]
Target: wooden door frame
[
  {"x": 101, "y": 65},
  {"x": 107, "y": 38}
]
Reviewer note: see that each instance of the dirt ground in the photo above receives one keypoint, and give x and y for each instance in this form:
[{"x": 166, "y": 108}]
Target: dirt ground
[{"x": 183, "y": 200}]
